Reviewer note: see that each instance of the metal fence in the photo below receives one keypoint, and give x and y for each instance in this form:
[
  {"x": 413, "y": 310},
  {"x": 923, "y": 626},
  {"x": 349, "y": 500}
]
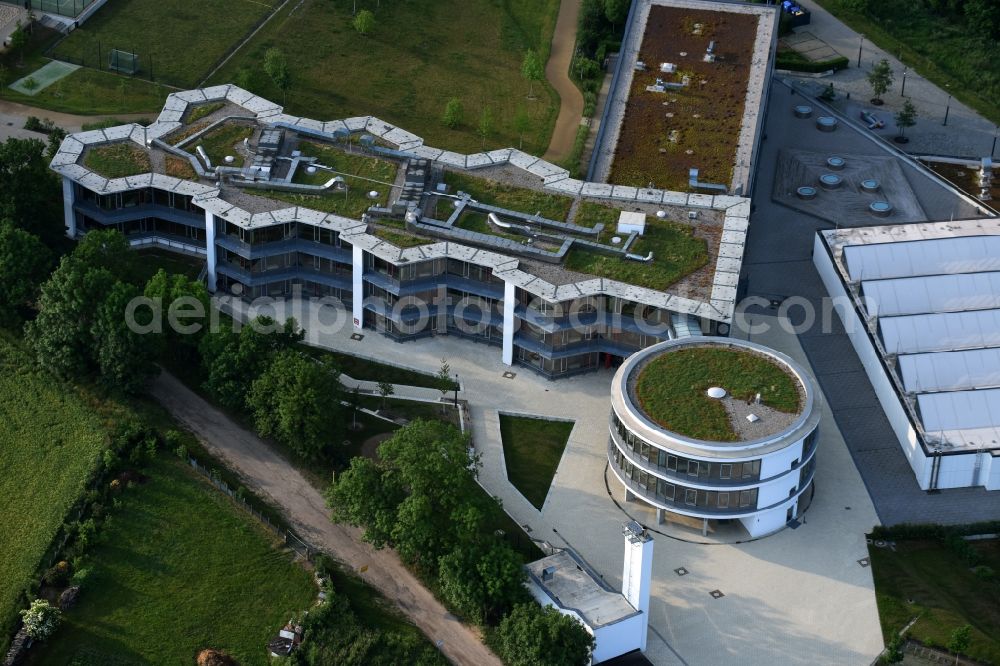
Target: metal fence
[
  {"x": 290, "y": 539},
  {"x": 70, "y": 8}
]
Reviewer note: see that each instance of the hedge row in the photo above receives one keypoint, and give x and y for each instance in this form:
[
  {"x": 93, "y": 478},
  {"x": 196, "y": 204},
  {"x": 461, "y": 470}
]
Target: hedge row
[
  {"x": 798, "y": 65},
  {"x": 906, "y": 531}
]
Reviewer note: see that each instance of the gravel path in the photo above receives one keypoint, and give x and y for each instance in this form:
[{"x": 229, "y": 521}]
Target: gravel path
[
  {"x": 557, "y": 74},
  {"x": 267, "y": 473}
]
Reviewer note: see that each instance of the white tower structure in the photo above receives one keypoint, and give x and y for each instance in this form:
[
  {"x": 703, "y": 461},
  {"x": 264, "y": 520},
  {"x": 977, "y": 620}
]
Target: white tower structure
[{"x": 638, "y": 571}]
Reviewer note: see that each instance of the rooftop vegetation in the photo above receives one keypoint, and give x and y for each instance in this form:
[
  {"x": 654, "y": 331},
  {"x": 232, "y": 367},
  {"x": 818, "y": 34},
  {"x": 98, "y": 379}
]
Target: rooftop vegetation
[
  {"x": 179, "y": 168},
  {"x": 665, "y": 134},
  {"x": 520, "y": 199},
  {"x": 199, "y": 111},
  {"x": 222, "y": 141},
  {"x": 671, "y": 388},
  {"x": 677, "y": 252},
  {"x": 354, "y": 164},
  {"x": 117, "y": 160}
]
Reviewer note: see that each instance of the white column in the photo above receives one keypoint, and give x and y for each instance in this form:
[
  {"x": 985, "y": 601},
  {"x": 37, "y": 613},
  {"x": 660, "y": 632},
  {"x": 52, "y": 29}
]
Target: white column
[
  {"x": 68, "y": 200},
  {"x": 638, "y": 573},
  {"x": 210, "y": 250},
  {"x": 358, "y": 296},
  {"x": 509, "y": 303}
]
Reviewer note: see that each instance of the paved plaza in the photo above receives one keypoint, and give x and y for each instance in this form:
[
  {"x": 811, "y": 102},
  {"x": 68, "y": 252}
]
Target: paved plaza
[{"x": 796, "y": 597}]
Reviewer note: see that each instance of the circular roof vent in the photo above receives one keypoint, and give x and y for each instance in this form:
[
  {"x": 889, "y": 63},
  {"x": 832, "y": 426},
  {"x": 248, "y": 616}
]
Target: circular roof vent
[
  {"x": 826, "y": 123},
  {"x": 836, "y": 162},
  {"x": 830, "y": 181},
  {"x": 869, "y": 185},
  {"x": 806, "y": 192},
  {"x": 802, "y": 111},
  {"x": 660, "y": 214},
  {"x": 716, "y": 392}
]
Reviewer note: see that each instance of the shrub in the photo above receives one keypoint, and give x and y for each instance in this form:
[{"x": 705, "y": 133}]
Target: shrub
[
  {"x": 41, "y": 619},
  {"x": 58, "y": 574}
]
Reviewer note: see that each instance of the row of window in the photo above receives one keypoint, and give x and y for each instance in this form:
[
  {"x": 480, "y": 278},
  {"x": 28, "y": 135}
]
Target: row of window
[
  {"x": 286, "y": 260},
  {"x": 149, "y": 226},
  {"x": 748, "y": 470},
  {"x": 284, "y": 232},
  {"x": 665, "y": 492},
  {"x": 131, "y": 198}
]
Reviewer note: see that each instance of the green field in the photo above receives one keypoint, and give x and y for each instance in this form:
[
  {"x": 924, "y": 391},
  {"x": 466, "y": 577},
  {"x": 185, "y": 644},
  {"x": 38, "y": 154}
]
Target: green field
[
  {"x": 51, "y": 442},
  {"x": 420, "y": 55},
  {"x": 118, "y": 160},
  {"x": 532, "y": 449},
  {"x": 180, "y": 568},
  {"x": 940, "y": 47},
  {"x": 926, "y": 578},
  {"x": 671, "y": 389},
  {"x": 180, "y": 40},
  {"x": 520, "y": 199}
]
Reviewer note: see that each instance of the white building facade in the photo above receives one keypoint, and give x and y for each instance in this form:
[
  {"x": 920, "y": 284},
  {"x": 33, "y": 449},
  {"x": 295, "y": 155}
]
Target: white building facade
[{"x": 763, "y": 483}]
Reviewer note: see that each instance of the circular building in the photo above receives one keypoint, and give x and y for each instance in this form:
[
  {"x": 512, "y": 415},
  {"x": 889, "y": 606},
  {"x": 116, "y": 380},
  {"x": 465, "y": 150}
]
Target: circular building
[{"x": 708, "y": 430}]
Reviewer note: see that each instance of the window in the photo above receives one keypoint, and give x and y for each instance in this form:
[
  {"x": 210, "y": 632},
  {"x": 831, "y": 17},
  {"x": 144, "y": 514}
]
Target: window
[
  {"x": 661, "y": 458},
  {"x": 690, "y": 497},
  {"x": 744, "y": 498},
  {"x": 668, "y": 491},
  {"x": 723, "y": 501},
  {"x": 726, "y": 472},
  {"x": 643, "y": 479},
  {"x": 704, "y": 469},
  {"x": 692, "y": 468},
  {"x": 672, "y": 463}
]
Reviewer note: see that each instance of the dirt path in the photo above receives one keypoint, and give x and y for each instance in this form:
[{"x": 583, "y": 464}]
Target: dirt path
[
  {"x": 67, "y": 121},
  {"x": 267, "y": 473},
  {"x": 557, "y": 73}
]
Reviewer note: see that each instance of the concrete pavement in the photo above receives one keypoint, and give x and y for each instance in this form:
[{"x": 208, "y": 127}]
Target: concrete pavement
[
  {"x": 967, "y": 134},
  {"x": 797, "y": 597}
]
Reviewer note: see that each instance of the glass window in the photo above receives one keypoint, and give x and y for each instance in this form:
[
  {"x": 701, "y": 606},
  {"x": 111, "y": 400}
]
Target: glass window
[
  {"x": 723, "y": 501},
  {"x": 672, "y": 463},
  {"x": 726, "y": 471},
  {"x": 690, "y": 497},
  {"x": 692, "y": 468},
  {"x": 668, "y": 491},
  {"x": 704, "y": 469},
  {"x": 661, "y": 458},
  {"x": 744, "y": 498}
]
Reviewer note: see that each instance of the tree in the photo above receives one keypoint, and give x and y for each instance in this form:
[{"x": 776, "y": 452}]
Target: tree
[
  {"x": 453, "y": 113},
  {"x": 443, "y": 381},
  {"x": 482, "y": 584},
  {"x": 485, "y": 124},
  {"x": 983, "y": 18},
  {"x": 231, "y": 361},
  {"x": 385, "y": 389},
  {"x": 894, "y": 650},
  {"x": 41, "y": 619},
  {"x": 30, "y": 196},
  {"x": 367, "y": 494},
  {"x": 905, "y": 117},
  {"x": 522, "y": 124},
  {"x": 880, "y": 78},
  {"x": 124, "y": 357},
  {"x": 18, "y": 41},
  {"x": 616, "y": 12},
  {"x": 364, "y": 22},
  {"x": 532, "y": 634},
  {"x": 296, "y": 401},
  {"x": 24, "y": 264},
  {"x": 185, "y": 305},
  {"x": 532, "y": 69},
  {"x": 61, "y": 335},
  {"x": 960, "y": 640},
  {"x": 276, "y": 67}
]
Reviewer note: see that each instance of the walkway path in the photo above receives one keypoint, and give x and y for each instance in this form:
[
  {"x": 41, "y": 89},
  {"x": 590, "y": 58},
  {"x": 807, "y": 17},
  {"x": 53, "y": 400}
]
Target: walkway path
[
  {"x": 12, "y": 111},
  {"x": 266, "y": 472},
  {"x": 967, "y": 134},
  {"x": 557, "y": 73}
]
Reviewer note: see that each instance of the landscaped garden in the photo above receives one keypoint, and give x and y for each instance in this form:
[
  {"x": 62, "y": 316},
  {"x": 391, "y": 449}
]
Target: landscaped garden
[
  {"x": 663, "y": 135},
  {"x": 677, "y": 252},
  {"x": 930, "y": 581},
  {"x": 51, "y": 442},
  {"x": 117, "y": 160},
  {"x": 416, "y": 58},
  {"x": 371, "y": 370},
  {"x": 671, "y": 389},
  {"x": 178, "y": 40},
  {"x": 532, "y": 449},
  {"x": 179, "y": 568}
]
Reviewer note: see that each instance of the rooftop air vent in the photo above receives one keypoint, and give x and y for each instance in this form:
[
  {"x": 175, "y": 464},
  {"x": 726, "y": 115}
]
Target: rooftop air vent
[{"x": 716, "y": 392}]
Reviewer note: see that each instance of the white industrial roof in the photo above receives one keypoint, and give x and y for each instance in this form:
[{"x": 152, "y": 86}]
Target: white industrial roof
[
  {"x": 967, "y": 254},
  {"x": 935, "y": 293},
  {"x": 934, "y": 290}
]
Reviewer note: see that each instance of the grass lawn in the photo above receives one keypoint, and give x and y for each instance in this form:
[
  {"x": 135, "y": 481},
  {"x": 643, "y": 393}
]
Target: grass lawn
[
  {"x": 945, "y": 593},
  {"x": 354, "y": 164},
  {"x": 180, "y": 40},
  {"x": 418, "y": 56},
  {"x": 411, "y": 410},
  {"x": 589, "y": 213},
  {"x": 179, "y": 168},
  {"x": 357, "y": 367},
  {"x": 51, "y": 442},
  {"x": 222, "y": 141},
  {"x": 677, "y": 252},
  {"x": 479, "y": 222},
  {"x": 172, "y": 262},
  {"x": 401, "y": 239},
  {"x": 118, "y": 160},
  {"x": 532, "y": 449},
  {"x": 522, "y": 200},
  {"x": 180, "y": 568},
  {"x": 199, "y": 111},
  {"x": 940, "y": 48},
  {"x": 671, "y": 389}
]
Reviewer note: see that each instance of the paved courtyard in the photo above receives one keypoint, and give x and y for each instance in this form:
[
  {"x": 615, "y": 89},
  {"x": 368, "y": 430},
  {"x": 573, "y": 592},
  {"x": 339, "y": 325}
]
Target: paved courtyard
[{"x": 797, "y": 597}]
